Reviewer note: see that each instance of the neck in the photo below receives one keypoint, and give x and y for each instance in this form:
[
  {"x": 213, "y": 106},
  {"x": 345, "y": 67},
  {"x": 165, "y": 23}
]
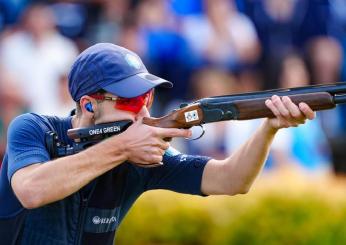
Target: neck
[{"x": 81, "y": 122}]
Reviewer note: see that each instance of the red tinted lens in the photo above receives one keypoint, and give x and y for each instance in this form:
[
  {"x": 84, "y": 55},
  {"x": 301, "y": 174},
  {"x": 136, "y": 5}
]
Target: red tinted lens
[{"x": 134, "y": 104}]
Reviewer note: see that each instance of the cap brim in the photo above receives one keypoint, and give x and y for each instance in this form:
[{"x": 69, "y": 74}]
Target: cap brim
[{"x": 136, "y": 85}]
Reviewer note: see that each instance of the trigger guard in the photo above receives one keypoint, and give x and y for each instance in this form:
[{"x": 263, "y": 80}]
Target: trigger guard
[{"x": 203, "y": 132}]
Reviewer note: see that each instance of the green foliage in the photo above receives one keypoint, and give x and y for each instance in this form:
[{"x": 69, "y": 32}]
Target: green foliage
[
  {"x": 270, "y": 218},
  {"x": 281, "y": 220}
]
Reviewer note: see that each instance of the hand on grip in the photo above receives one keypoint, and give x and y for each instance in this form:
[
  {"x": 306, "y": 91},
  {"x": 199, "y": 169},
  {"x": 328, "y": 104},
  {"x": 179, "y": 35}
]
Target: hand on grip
[
  {"x": 287, "y": 113},
  {"x": 145, "y": 145}
]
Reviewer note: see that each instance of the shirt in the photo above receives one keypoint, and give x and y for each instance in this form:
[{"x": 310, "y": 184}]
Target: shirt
[{"x": 91, "y": 215}]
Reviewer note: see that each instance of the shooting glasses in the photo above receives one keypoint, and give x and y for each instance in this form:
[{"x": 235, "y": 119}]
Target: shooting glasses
[{"x": 134, "y": 104}]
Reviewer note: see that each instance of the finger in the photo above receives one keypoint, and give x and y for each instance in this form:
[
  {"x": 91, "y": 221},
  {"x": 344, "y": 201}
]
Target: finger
[
  {"x": 160, "y": 152},
  {"x": 280, "y": 120},
  {"x": 280, "y": 106},
  {"x": 297, "y": 117},
  {"x": 136, "y": 123},
  {"x": 154, "y": 152},
  {"x": 173, "y": 132},
  {"x": 292, "y": 108},
  {"x": 151, "y": 165},
  {"x": 165, "y": 145},
  {"x": 308, "y": 112},
  {"x": 272, "y": 107},
  {"x": 156, "y": 159},
  {"x": 151, "y": 157},
  {"x": 160, "y": 143},
  {"x": 138, "y": 120}
]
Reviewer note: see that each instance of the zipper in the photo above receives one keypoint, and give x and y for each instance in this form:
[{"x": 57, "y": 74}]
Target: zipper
[{"x": 83, "y": 208}]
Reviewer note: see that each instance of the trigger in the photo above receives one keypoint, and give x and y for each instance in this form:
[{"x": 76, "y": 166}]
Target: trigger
[{"x": 202, "y": 133}]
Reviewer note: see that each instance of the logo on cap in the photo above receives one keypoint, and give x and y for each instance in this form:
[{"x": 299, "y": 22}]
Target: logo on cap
[{"x": 133, "y": 61}]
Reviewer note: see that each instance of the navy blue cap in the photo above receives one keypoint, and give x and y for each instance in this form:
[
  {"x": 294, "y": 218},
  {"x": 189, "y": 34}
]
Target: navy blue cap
[{"x": 115, "y": 69}]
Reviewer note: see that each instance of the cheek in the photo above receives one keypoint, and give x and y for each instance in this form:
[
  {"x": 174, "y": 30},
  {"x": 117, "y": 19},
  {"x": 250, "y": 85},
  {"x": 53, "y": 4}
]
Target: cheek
[{"x": 110, "y": 114}]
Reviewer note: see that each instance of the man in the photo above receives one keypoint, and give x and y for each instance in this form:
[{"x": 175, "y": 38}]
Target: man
[
  {"x": 82, "y": 198},
  {"x": 37, "y": 39}
]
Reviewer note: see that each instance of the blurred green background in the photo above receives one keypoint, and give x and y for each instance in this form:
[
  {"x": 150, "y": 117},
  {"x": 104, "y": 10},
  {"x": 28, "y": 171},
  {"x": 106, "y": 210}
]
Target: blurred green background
[{"x": 282, "y": 208}]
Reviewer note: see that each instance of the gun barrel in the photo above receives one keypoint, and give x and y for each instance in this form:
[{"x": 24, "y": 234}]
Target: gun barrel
[
  {"x": 340, "y": 99},
  {"x": 333, "y": 89}
]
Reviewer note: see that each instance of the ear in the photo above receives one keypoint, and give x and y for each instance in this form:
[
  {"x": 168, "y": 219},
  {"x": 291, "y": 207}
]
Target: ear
[{"x": 88, "y": 105}]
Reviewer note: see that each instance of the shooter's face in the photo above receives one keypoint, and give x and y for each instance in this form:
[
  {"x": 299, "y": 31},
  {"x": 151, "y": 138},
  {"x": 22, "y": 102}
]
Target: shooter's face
[{"x": 112, "y": 108}]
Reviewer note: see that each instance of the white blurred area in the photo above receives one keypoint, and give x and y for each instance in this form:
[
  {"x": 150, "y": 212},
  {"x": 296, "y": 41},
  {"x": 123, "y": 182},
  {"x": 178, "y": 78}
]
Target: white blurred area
[{"x": 38, "y": 58}]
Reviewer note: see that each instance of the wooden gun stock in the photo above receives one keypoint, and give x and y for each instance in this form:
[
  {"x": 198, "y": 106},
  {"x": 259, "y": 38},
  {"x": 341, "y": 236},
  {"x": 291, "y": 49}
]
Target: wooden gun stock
[
  {"x": 256, "y": 108},
  {"x": 177, "y": 118}
]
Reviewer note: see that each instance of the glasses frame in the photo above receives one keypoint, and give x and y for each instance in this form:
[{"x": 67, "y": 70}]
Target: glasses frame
[{"x": 149, "y": 97}]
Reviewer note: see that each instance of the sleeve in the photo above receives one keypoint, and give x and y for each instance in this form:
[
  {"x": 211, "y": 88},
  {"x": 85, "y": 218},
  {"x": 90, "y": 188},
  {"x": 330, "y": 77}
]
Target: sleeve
[
  {"x": 180, "y": 173},
  {"x": 26, "y": 143}
]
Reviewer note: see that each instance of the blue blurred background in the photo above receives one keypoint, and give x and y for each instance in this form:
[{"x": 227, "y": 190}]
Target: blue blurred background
[{"x": 205, "y": 47}]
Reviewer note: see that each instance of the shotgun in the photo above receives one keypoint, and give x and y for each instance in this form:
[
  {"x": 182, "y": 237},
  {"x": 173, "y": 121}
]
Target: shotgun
[{"x": 243, "y": 106}]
